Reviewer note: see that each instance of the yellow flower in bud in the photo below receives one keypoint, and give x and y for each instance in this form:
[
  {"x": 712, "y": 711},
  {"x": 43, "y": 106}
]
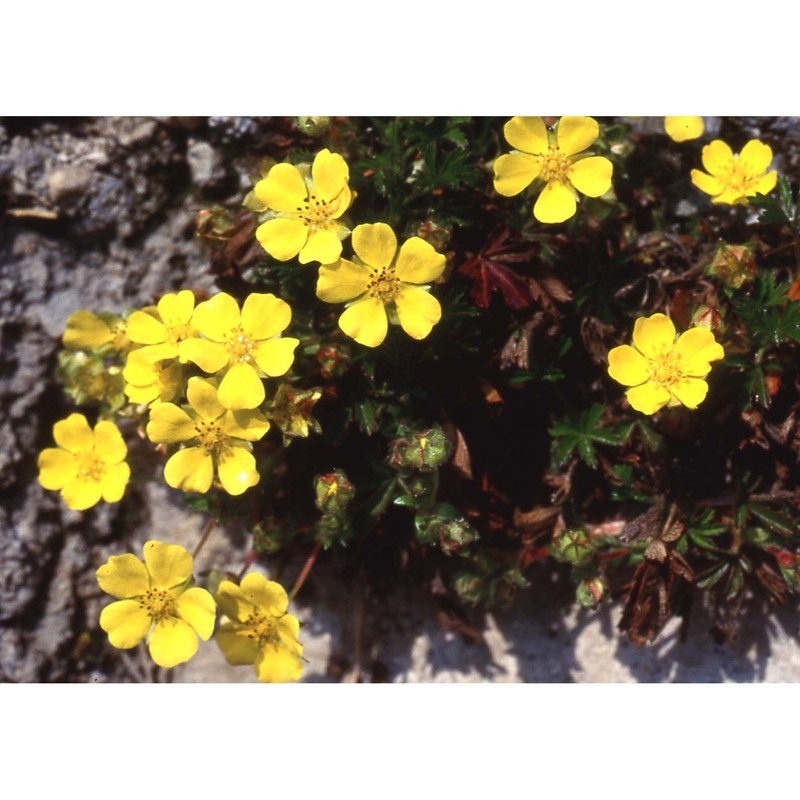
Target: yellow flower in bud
[
  {"x": 242, "y": 344},
  {"x": 306, "y": 209},
  {"x": 88, "y": 331},
  {"x": 380, "y": 279},
  {"x": 88, "y": 465},
  {"x": 557, "y": 159},
  {"x": 682, "y": 129},
  {"x": 733, "y": 178},
  {"x": 258, "y": 630},
  {"x": 661, "y": 370},
  {"x": 161, "y": 334},
  {"x": 220, "y": 438},
  {"x": 157, "y": 602}
]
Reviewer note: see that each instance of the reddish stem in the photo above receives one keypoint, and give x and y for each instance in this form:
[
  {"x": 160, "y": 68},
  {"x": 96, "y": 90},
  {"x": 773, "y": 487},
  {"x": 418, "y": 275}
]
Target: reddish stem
[{"x": 301, "y": 578}]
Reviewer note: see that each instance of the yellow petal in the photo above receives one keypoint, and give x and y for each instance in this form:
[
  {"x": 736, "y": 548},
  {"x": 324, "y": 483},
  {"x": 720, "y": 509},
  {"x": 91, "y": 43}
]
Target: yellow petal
[
  {"x": 139, "y": 369},
  {"x": 514, "y": 172},
  {"x": 342, "y": 281},
  {"x": 323, "y": 246},
  {"x": 289, "y": 628},
  {"x": 176, "y": 309},
  {"x": 766, "y": 184},
  {"x": 81, "y": 493},
  {"x": 237, "y": 470},
  {"x": 418, "y": 262},
  {"x": 283, "y": 238},
  {"x": 124, "y": 576},
  {"x": 341, "y": 204},
  {"x": 706, "y": 183},
  {"x": 86, "y": 331},
  {"x": 556, "y": 203},
  {"x": 648, "y": 398},
  {"x": 528, "y": 134},
  {"x": 232, "y": 602},
  {"x": 682, "y": 129},
  {"x": 108, "y": 442},
  {"x": 755, "y": 158},
  {"x": 330, "y": 174},
  {"x": 268, "y": 596},
  {"x": 575, "y": 134},
  {"x": 142, "y": 394},
  {"x": 125, "y": 622},
  {"x": 196, "y": 606},
  {"x": 690, "y": 391},
  {"x": 237, "y": 645},
  {"x": 114, "y": 482},
  {"x": 209, "y": 356},
  {"x": 241, "y": 387},
  {"x": 191, "y": 470},
  {"x": 202, "y": 396},
  {"x": 365, "y": 321},
  {"x": 170, "y": 424},
  {"x": 627, "y": 366},
  {"x": 248, "y": 425},
  {"x": 275, "y": 356},
  {"x": 74, "y": 434},
  {"x": 283, "y": 189},
  {"x": 172, "y": 642},
  {"x": 144, "y": 328},
  {"x": 592, "y": 175},
  {"x": 265, "y": 316},
  {"x": 418, "y": 311},
  {"x": 215, "y": 318},
  {"x": 697, "y": 347},
  {"x": 57, "y": 468},
  {"x": 717, "y": 157},
  {"x": 167, "y": 564},
  {"x": 653, "y": 336},
  {"x": 375, "y": 244},
  {"x": 278, "y": 664}
]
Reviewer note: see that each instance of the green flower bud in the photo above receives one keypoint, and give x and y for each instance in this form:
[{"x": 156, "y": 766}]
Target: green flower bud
[
  {"x": 452, "y": 535},
  {"x": 424, "y": 450},
  {"x": 469, "y": 587},
  {"x": 591, "y": 591},
  {"x": 313, "y": 126},
  {"x": 572, "y": 546},
  {"x": 733, "y": 264},
  {"x": 333, "y": 491}
]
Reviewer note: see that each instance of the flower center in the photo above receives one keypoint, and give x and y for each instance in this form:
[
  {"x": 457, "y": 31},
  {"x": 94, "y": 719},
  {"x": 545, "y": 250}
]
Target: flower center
[
  {"x": 383, "y": 284},
  {"x": 178, "y": 332},
  {"x": 262, "y": 628},
  {"x": 240, "y": 346},
  {"x": 665, "y": 369},
  {"x": 554, "y": 165},
  {"x": 316, "y": 213},
  {"x": 158, "y": 604},
  {"x": 736, "y": 178},
  {"x": 210, "y": 435},
  {"x": 90, "y": 467}
]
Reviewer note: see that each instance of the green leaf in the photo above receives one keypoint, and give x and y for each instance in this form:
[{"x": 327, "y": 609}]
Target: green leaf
[
  {"x": 579, "y": 432},
  {"x": 773, "y": 520}
]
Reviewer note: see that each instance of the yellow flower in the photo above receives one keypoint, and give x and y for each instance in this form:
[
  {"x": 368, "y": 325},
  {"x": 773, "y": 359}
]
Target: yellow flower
[
  {"x": 662, "y": 370},
  {"x": 88, "y": 331},
  {"x": 152, "y": 382},
  {"x": 682, "y": 129},
  {"x": 222, "y": 441},
  {"x": 162, "y": 337},
  {"x": 157, "y": 602},
  {"x": 382, "y": 278},
  {"x": 307, "y": 209},
  {"x": 734, "y": 178},
  {"x": 258, "y": 630},
  {"x": 555, "y": 158},
  {"x": 242, "y": 343},
  {"x": 87, "y": 465}
]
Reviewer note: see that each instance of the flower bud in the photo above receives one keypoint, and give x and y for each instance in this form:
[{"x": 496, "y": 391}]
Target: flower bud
[
  {"x": 452, "y": 535},
  {"x": 733, "y": 264},
  {"x": 333, "y": 491},
  {"x": 469, "y": 587},
  {"x": 313, "y": 126},
  {"x": 423, "y": 450},
  {"x": 291, "y": 411},
  {"x": 591, "y": 591},
  {"x": 572, "y": 546},
  {"x": 435, "y": 233},
  {"x": 707, "y": 317}
]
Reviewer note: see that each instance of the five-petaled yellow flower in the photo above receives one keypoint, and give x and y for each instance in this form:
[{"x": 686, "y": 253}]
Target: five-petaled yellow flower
[
  {"x": 243, "y": 344},
  {"x": 308, "y": 209},
  {"x": 734, "y": 178},
  {"x": 258, "y": 630},
  {"x": 381, "y": 279},
  {"x": 221, "y": 440},
  {"x": 556, "y": 158},
  {"x": 157, "y": 602},
  {"x": 661, "y": 370},
  {"x": 87, "y": 465},
  {"x": 163, "y": 335},
  {"x": 683, "y": 129}
]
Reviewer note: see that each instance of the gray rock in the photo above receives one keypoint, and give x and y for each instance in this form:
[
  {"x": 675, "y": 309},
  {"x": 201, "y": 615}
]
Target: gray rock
[
  {"x": 205, "y": 164},
  {"x": 67, "y": 183}
]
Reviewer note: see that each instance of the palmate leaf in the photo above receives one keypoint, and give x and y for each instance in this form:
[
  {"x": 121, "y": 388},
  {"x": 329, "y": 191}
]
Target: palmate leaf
[
  {"x": 778, "y": 208},
  {"x": 580, "y": 433}
]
